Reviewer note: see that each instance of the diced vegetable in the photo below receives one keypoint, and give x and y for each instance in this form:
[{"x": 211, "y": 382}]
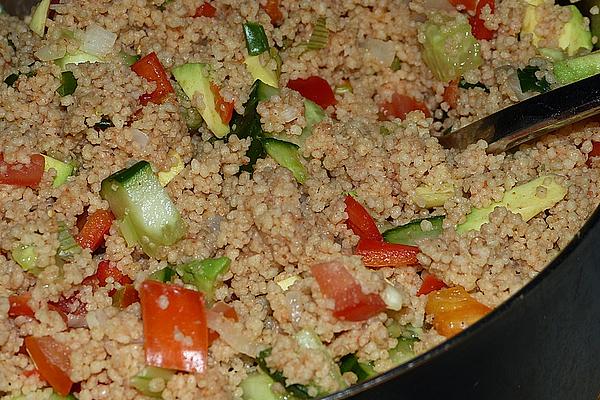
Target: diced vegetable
[
  {"x": 68, "y": 84},
  {"x": 272, "y": 8},
  {"x": 98, "y": 41},
  {"x": 466, "y": 85},
  {"x": 19, "y": 306},
  {"x": 204, "y": 273},
  {"x": 226, "y": 311},
  {"x": 224, "y": 108},
  {"x": 403, "y": 350},
  {"x": 350, "y": 363},
  {"x": 338, "y": 284},
  {"x": 26, "y": 257},
  {"x": 360, "y": 221},
  {"x": 399, "y": 106},
  {"x": 141, "y": 382},
  {"x": 193, "y": 78},
  {"x": 376, "y": 253},
  {"x": 39, "y": 17},
  {"x": 231, "y": 333},
  {"x": 67, "y": 246},
  {"x": 79, "y": 57},
  {"x": 146, "y": 213},
  {"x": 575, "y": 69},
  {"x": 392, "y": 297},
  {"x": 530, "y": 82},
  {"x": 52, "y": 360},
  {"x": 286, "y": 283},
  {"x": 164, "y": 177},
  {"x": 412, "y": 232},
  {"x": 594, "y": 153},
  {"x": 313, "y": 114},
  {"x": 11, "y": 79},
  {"x": 150, "y": 68},
  {"x": 63, "y": 170},
  {"x": 286, "y": 154},
  {"x": 478, "y": 28},
  {"x": 108, "y": 271},
  {"x": 256, "y": 38},
  {"x": 163, "y": 275},
  {"x": 428, "y": 197},
  {"x": 175, "y": 328},
  {"x": 450, "y": 95},
  {"x": 528, "y": 199},
  {"x": 22, "y": 174},
  {"x": 396, "y": 64},
  {"x": 320, "y": 35},
  {"x": 191, "y": 116},
  {"x": 257, "y": 386},
  {"x": 205, "y": 10},
  {"x": 430, "y": 284},
  {"x": 297, "y": 390},
  {"x": 125, "y": 296},
  {"x": 128, "y": 59},
  {"x": 314, "y": 88},
  {"x": 453, "y": 310},
  {"x": 91, "y": 236},
  {"x": 260, "y": 72},
  {"x": 345, "y": 87},
  {"x": 449, "y": 48}
]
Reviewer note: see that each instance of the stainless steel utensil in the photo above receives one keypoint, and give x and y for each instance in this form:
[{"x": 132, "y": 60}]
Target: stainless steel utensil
[{"x": 531, "y": 118}]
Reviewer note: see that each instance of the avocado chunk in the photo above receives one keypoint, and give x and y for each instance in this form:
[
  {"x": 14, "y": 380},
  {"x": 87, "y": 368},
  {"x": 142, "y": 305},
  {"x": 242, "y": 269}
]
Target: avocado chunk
[
  {"x": 286, "y": 154},
  {"x": 193, "y": 78},
  {"x": 528, "y": 199},
  {"x": 39, "y": 17},
  {"x": 260, "y": 72},
  {"x": 63, "y": 170},
  {"x": 575, "y": 69}
]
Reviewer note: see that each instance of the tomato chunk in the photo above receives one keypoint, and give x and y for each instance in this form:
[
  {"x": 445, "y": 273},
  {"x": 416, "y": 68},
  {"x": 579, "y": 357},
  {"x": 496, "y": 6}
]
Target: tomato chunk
[
  {"x": 175, "y": 328},
  {"x": 336, "y": 283},
  {"x": 150, "y": 68},
  {"x": 430, "y": 284},
  {"x": 205, "y": 10},
  {"x": 272, "y": 9},
  {"x": 97, "y": 224},
  {"x": 399, "y": 106},
  {"x": 107, "y": 270},
  {"x": 382, "y": 254},
  {"x": 51, "y": 359},
  {"x": 224, "y": 108},
  {"x": 453, "y": 310},
  {"x": 314, "y": 88},
  {"x": 451, "y": 94},
  {"x": 594, "y": 153},
  {"x": 19, "y": 306},
  {"x": 478, "y": 28},
  {"x": 17, "y": 174},
  {"x": 360, "y": 221},
  {"x": 125, "y": 296}
]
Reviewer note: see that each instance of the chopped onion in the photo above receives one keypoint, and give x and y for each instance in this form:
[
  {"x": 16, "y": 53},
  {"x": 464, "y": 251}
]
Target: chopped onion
[
  {"x": 98, "y": 41},
  {"x": 383, "y": 51},
  {"x": 51, "y": 53},
  {"x": 232, "y": 334},
  {"x": 392, "y": 297},
  {"x": 139, "y": 137}
]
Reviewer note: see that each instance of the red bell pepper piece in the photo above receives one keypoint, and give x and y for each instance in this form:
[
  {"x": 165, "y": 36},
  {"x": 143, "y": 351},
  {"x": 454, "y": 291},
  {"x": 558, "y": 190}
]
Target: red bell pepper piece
[
  {"x": 17, "y": 174},
  {"x": 451, "y": 94},
  {"x": 478, "y": 28},
  {"x": 359, "y": 220},
  {"x": 175, "y": 328},
  {"x": 91, "y": 235},
  {"x": 382, "y": 254},
  {"x": 314, "y": 88},
  {"x": 125, "y": 296},
  {"x": 430, "y": 284},
  {"x": 150, "y": 68},
  {"x": 205, "y": 10},
  {"x": 399, "y": 106},
  {"x": 224, "y": 108},
  {"x": 51, "y": 359},
  {"x": 338, "y": 284},
  {"x": 272, "y": 9},
  {"x": 19, "y": 305},
  {"x": 107, "y": 270},
  {"x": 227, "y": 311},
  {"x": 594, "y": 153}
]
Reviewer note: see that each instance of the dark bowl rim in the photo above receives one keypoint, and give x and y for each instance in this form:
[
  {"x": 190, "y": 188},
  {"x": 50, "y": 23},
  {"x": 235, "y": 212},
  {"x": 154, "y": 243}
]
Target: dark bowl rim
[{"x": 512, "y": 302}]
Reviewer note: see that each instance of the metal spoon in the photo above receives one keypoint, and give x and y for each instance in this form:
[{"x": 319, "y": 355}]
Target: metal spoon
[
  {"x": 19, "y": 8},
  {"x": 531, "y": 118}
]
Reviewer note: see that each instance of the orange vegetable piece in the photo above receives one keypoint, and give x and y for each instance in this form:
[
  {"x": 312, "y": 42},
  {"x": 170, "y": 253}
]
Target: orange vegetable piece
[{"x": 51, "y": 359}]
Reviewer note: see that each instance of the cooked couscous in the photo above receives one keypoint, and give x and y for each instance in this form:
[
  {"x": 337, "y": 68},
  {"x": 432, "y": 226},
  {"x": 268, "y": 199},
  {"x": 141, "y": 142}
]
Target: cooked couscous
[{"x": 247, "y": 199}]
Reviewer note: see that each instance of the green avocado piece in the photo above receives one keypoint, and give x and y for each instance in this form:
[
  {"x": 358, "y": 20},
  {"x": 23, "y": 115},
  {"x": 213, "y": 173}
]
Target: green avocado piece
[{"x": 63, "y": 170}]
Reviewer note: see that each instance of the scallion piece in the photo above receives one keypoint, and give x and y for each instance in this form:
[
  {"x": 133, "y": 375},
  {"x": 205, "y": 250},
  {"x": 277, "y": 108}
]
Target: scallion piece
[
  {"x": 320, "y": 35},
  {"x": 163, "y": 275},
  {"x": 256, "y": 38},
  {"x": 68, "y": 84}
]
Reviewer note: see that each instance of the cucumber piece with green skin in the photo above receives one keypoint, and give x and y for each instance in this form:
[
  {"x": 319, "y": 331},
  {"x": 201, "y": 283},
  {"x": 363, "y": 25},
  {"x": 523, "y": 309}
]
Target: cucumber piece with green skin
[
  {"x": 265, "y": 91},
  {"x": 193, "y": 78},
  {"x": 39, "y": 17},
  {"x": 204, "y": 273},
  {"x": 147, "y": 214},
  {"x": 63, "y": 170},
  {"x": 141, "y": 382},
  {"x": 79, "y": 57},
  {"x": 313, "y": 114},
  {"x": 363, "y": 371},
  {"x": 257, "y": 386},
  {"x": 286, "y": 154},
  {"x": 575, "y": 69},
  {"x": 410, "y": 233}
]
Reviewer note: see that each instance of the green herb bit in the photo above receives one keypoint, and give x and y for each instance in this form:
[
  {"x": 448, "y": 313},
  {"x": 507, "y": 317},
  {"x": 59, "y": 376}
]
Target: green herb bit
[
  {"x": 11, "y": 79},
  {"x": 466, "y": 85},
  {"x": 163, "y": 275},
  {"x": 68, "y": 84},
  {"x": 530, "y": 82},
  {"x": 396, "y": 64},
  {"x": 256, "y": 38},
  {"x": 320, "y": 35},
  {"x": 350, "y": 363},
  {"x": 104, "y": 123},
  {"x": 204, "y": 273}
]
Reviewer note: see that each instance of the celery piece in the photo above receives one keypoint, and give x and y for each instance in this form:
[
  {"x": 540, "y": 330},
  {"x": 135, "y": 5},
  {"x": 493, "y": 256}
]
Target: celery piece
[
  {"x": 256, "y": 38},
  {"x": 257, "y": 386},
  {"x": 67, "y": 246},
  {"x": 39, "y": 17},
  {"x": 320, "y": 35},
  {"x": 141, "y": 382},
  {"x": 286, "y": 154},
  {"x": 203, "y": 273},
  {"x": 25, "y": 256},
  {"x": 449, "y": 48},
  {"x": 63, "y": 170},
  {"x": 528, "y": 199}
]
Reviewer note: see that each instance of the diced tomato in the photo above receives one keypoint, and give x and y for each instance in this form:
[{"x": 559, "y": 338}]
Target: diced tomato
[
  {"x": 360, "y": 221},
  {"x": 465, "y": 5},
  {"x": 314, "y": 88},
  {"x": 175, "y": 328},
  {"x": 400, "y": 106},
  {"x": 430, "y": 284},
  {"x": 30, "y": 372},
  {"x": 150, "y": 68},
  {"x": 91, "y": 236},
  {"x": 227, "y": 311},
  {"x": 594, "y": 153},
  {"x": 60, "y": 312},
  {"x": 272, "y": 9},
  {"x": 451, "y": 94},
  {"x": 51, "y": 358},
  {"x": 17, "y": 174},
  {"x": 125, "y": 296},
  {"x": 224, "y": 108},
  {"x": 382, "y": 254},
  {"x": 205, "y": 10},
  {"x": 336, "y": 283},
  {"x": 19, "y": 306},
  {"x": 71, "y": 305},
  {"x": 453, "y": 310},
  {"x": 107, "y": 270},
  {"x": 478, "y": 28}
]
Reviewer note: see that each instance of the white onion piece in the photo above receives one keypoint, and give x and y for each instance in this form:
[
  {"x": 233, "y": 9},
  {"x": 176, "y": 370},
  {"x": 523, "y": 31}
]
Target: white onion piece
[
  {"x": 98, "y": 41},
  {"x": 139, "y": 137},
  {"x": 383, "y": 51},
  {"x": 50, "y": 53},
  {"x": 232, "y": 334},
  {"x": 76, "y": 321},
  {"x": 392, "y": 297}
]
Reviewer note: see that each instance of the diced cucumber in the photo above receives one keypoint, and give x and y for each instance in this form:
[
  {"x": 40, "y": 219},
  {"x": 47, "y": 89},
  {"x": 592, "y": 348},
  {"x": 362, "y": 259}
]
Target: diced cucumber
[
  {"x": 25, "y": 256},
  {"x": 141, "y": 382},
  {"x": 256, "y": 38},
  {"x": 63, "y": 170},
  {"x": 257, "y": 386},
  {"x": 204, "y": 273},
  {"x": 363, "y": 371},
  {"x": 403, "y": 351},
  {"x": 191, "y": 116},
  {"x": 411, "y": 232},
  {"x": 575, "y": 69},
  {"x": 39, "y": 17},
  {"x": 286, "y": 154},
  {"x": 264, "y": 91},
  {"x": 68, "y": 84},
  {"x": 147, "y": 214},
  {"x": 260, "y": 72},
  {"x": 128, "y": 59},
  {"x": 163, "y": 275},
  {"x": 193, "y": 78},
  {"x": 528, "y": 199},
  {"x": 79, "y": 57}
]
